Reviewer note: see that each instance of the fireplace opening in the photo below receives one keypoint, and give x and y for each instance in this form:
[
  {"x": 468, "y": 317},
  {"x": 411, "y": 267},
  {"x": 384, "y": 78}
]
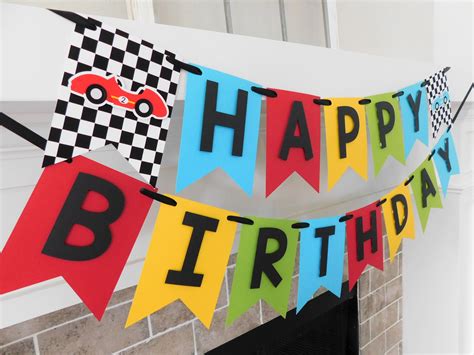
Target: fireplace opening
[{"x": 326, "y": 325}]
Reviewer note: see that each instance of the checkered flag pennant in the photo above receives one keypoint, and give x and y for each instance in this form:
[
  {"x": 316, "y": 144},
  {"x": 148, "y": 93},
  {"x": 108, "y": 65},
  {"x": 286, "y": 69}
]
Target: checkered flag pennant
[
  {"x": 438, "y": 100},
  {"x": 116, "y": 89}
]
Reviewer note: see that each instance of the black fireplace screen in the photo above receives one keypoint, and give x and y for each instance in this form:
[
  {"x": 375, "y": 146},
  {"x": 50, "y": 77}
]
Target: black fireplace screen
[{"x": 326, "y": 325}]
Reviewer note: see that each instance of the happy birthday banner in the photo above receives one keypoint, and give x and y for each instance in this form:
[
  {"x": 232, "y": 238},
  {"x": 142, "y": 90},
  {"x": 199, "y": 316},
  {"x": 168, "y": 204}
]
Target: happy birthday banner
[{"x": 83, "y": 218}]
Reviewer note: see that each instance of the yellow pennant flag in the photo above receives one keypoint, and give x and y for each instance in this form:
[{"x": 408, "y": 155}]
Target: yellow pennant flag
[
  {"x": 399, "y": 217},
  {"x": 346, "y": 138},
  {"x": 187, "y": 260}
]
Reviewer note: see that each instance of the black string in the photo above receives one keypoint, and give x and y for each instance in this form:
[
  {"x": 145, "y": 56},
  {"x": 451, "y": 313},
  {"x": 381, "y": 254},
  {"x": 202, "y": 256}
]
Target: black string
[
  {"x": 381, "y": 202},
  {"x": 264, "y": 92},
  {"x": 397, "y": 94},
  {"x": 365, "y": 101},
  {"x": 242, "y": 220},
  {"x": 346, "y": 218},
  {"x": 22, "y": 131},
  {"x": 322, "y": 102},
  {"x": 77, "y": 19},
  {"x": 431, "y": 155},
  {"x": 182, "y": 65},
  {"x": 159, "y": 197},
  {"x": 300, "y": 225},
  {"x": 410, "y": 179}
]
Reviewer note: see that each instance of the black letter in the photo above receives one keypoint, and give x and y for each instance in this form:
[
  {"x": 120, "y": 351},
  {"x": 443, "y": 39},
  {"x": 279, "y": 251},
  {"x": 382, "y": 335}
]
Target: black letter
[
  {"x": 384, "y": 128},
  {"x": 324, "y": 233},
  {"x": 264, "y": 261},
  {"x": 213, "y": 118},
  {"x": 297, "y": 118},
  {"x": 427, "y": 188},
  {"x": 98, "y": 222},
  {"x": 186, "y": 275},
  {"x": 346, "y": 137},
  {"x": 445, "y": 154},
  {"x": 362, "y": 237},
  {"x": 396, "y": 217},
  {"x": 415, "y": 108}
]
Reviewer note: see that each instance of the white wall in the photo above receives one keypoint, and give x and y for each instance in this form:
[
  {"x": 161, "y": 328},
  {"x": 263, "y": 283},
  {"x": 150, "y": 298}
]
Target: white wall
[
  {"x": 438, "y": 267},
  {"x": 440, "y": 32}
]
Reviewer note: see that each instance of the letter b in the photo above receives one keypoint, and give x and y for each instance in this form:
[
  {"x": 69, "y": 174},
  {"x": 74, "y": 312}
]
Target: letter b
[{"x": 98, "y": 222}]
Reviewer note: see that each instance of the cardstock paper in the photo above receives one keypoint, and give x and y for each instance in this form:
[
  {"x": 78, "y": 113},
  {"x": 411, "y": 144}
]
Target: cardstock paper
[
  {"x": 366, "y": 219},
  {"x": 446, "y": 160},
  {"x": 194, "y": 161},
  {"x": 242, "y": 296},
  {"x": 356, "y": 150},
  {"x": 311, "y": 252},
  {"x": 293, "y": 138},
  {"x": 398, "y": 212},
  {"x": 414, "y": 111},
  {"x": 390, "y": 142},
  {"x": 85, "y": 121},
  {"x": 170, "y": 241},
  {"x": 23, "y": 260},
  {"x": 425, "y": 184},
  {"x": 439, "y": 101}
]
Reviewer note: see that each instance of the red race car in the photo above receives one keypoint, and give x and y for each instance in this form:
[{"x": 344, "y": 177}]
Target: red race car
[{"x": 98, "y": 90}]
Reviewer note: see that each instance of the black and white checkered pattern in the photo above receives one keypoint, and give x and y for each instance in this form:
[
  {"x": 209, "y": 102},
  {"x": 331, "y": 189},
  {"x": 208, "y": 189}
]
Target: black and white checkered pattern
[
  {"x": 79, "y": 126},
  {"x": 440, "y": 111}
]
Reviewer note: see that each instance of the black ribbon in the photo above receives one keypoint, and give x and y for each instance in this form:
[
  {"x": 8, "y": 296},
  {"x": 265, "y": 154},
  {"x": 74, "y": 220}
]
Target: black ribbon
[
  {"x": 264, "y": 92},
  {"x": 159, "y": 197},
  {"x": 77, "y": 19},
  {"x": 182, "y": 65},
  {"x": 241, "y": 220},
  {"x": 22, "y": 131}
]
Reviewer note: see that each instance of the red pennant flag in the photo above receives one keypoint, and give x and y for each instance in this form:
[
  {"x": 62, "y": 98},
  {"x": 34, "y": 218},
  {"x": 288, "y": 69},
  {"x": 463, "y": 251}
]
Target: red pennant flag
[
  {"x": 293, "y": 138},
  {"x": 80, "y": 223},
  {"x": 364, "y": 241}
]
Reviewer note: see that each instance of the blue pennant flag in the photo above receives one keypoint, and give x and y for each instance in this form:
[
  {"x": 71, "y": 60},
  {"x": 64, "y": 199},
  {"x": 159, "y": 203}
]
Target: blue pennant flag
[
  {"x": 414, "y": 109},
  {"x": 446, "y": 160},
  {"x": 220, "y": 128},
  {"x": 321, "y": 258}
]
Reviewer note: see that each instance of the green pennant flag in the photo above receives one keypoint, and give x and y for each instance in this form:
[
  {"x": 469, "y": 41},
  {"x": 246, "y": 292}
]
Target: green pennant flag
[
  {"x": 425, "y": 190},
  {"x": 386, "y": 129},
  {"x": 264, "y": 266}
]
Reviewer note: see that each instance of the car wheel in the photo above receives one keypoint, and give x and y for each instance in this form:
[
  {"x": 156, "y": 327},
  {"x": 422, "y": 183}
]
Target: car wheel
[
  {"x": 96, "y": 94},
  {"x": 143, "y": 108}
]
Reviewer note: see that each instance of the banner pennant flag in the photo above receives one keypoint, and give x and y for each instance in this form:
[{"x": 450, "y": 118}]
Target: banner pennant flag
[
  {"x": 264, "y": 266},
  {"x": 346, "y": 138},
  {"x": 399, "y": 217},
  {"x": 220, "y": 128},
  {"x": 293, "y": 138},
  {"x": 321, "y": 258},
  {"x": 385, "y": 126},
  {"x": 414, "y": 111},
  {"x": 446, "y": 160},
  {"x": 186, "y": 260},
  {"x": 116, "y": 89},
  {"x": 425, "y": 190},
  {"x": 364, "y": 241},
  {"x": 439, "y": 101},
  {"x": 81, "y": 223}
]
